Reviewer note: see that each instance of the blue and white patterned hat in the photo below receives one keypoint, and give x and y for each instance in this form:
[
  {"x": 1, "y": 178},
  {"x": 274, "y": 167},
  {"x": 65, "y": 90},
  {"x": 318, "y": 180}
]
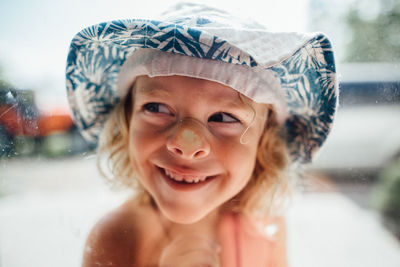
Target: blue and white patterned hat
[{"x": 293, "y": 71}]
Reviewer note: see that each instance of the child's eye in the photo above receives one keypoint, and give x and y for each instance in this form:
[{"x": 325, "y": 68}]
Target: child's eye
[
  {"x": 156, "y": 108},
  {"x": 222, "y": 117}
]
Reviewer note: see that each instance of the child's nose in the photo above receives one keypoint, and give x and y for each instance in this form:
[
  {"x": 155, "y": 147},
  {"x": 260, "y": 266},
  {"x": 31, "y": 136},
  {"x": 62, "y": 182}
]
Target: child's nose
[{"x": 188, "y": 141}]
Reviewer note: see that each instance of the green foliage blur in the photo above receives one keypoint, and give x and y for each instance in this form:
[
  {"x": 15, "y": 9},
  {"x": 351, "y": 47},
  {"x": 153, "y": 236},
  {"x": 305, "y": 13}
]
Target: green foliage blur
[
  {"x": 374, "y": 39},
  {"x": 387, "y": 196}
]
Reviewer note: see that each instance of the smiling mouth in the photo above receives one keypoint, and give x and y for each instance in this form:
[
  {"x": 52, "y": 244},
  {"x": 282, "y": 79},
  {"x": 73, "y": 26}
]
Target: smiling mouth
[{"x": 184, "y": 179}]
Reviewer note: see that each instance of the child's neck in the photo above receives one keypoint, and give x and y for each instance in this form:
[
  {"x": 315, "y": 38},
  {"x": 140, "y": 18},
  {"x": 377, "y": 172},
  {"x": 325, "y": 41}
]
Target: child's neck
[{"x": 204, "y": 227}]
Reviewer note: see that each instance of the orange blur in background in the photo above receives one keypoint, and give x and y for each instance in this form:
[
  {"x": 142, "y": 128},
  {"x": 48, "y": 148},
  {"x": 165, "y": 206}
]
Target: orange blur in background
[{"x": 58, "y": 120}]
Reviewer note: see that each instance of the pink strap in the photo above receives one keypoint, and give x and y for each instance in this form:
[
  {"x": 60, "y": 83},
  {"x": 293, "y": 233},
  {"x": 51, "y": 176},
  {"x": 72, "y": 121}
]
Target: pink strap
[{"x": 237, "y": 241}]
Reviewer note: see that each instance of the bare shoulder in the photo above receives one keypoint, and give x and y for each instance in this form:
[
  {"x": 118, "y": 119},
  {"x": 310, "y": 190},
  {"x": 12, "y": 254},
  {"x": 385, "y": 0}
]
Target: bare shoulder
[
  {"x": 114, "y": 240},
  {"x": 259, "y": 242}
]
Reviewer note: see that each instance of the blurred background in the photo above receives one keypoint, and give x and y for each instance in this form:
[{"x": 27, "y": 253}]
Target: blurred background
[{"x": 348, "y": 211}]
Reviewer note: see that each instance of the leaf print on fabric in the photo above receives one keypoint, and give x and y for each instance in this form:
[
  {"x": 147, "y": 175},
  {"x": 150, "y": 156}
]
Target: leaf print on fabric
[{"x": 310, "y": 87}]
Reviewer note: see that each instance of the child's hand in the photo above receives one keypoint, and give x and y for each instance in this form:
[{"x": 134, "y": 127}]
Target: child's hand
[{"x": 190, "y": 251}]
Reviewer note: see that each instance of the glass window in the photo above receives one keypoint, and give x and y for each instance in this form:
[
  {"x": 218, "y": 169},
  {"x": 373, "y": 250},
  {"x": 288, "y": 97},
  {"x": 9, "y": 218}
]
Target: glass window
[{"x": 346, "y": 207}]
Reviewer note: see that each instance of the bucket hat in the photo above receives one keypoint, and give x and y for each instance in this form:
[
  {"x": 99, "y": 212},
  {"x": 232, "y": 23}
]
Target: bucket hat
[{"x": 294, "y": 71}]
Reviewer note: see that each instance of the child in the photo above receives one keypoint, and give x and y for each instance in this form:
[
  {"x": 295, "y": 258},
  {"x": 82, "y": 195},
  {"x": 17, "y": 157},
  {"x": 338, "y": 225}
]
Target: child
[{"x": 201, "y": 114}]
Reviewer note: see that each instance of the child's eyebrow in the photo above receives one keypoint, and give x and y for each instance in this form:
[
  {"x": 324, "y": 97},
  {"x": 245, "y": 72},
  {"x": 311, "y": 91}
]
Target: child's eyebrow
[
  {"x": 152, "y": 91},
  {"x": 235, "y": 102},
  {"x": 231, "y": 104}
]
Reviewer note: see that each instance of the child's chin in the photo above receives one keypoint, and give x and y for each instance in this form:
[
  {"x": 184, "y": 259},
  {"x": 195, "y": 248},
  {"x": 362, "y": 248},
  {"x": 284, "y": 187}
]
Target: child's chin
[{"x": 184, "y": 217}]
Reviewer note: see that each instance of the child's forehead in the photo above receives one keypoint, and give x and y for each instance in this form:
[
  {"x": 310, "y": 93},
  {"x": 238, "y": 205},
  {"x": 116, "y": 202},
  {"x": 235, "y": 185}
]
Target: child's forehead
[{"x": 166, "y": 86}]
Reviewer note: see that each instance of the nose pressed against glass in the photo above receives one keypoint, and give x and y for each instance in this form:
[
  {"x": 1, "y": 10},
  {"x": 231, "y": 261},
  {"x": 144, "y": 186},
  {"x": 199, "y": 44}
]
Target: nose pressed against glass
[{"x": 188, "y": 142}]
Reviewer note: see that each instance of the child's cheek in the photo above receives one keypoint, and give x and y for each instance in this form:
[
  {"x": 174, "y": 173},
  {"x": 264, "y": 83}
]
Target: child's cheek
[
  {"x": 238, "y": 158},
  {"x": 142, "y": 139}
]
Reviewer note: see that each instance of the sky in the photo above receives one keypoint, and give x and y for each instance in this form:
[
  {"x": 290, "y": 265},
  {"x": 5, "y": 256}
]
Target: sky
[{"x": 35, "y": 34}]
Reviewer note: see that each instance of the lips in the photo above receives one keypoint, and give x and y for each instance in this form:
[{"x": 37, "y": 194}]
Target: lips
[{"x": 184, "y": 178}]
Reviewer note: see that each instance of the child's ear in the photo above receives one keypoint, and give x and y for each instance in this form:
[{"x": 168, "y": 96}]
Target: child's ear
[
  {"x": 270, "y": 115},
  {"x": 128, "y": 104}
]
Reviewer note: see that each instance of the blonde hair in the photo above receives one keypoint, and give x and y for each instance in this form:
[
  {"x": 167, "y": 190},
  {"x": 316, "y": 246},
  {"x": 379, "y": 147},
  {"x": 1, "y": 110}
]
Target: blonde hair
[
  {"x": 268, "y": 188},
  {"x": 262, "y": 196}
]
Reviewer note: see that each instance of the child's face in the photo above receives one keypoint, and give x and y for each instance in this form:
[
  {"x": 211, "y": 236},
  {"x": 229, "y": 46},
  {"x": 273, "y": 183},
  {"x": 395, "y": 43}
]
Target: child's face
[{"x": 185, "y": 143}]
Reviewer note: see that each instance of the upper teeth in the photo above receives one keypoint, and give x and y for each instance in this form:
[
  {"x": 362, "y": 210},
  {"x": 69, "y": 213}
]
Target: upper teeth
[{"x": 187, "y": 178}]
